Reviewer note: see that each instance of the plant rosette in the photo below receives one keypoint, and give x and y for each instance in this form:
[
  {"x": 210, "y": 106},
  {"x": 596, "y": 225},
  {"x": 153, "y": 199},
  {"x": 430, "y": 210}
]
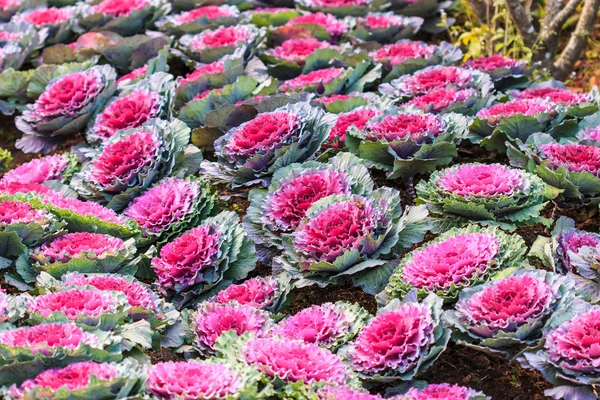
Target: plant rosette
[
  {"x": 344, "y": 103},
  {"x": 58, "y": 167},
  {"x": 208, "y": 379},
  {"x": 132, "y": 160},
  {"x": 214, "y": 111},
  {"x": 199, "y": 19},
  {"x": 204, "y": 260},
  {"x": 87, "y": 307},
  {"x": 56, "y": 22},
  {"x": 170, "y": 207},
  {"x": 79, "y": 252},
  {"x": 125, "y": 18},
  {"x": 17, "y": 88},
  {"x": 212, "y": 44},
  {"x": 320, "y": 25},
  {"x": 12, "y": 308},
  {"x": 10, "y": 8},
  {"x": 449, "y": 100},
  {"x": 442, "y": 391},
  {"x": 409, "y": 56},
  {"x": 508, "y": 314},
  {"x": 84, "y": 379},
  {"x": 290, "y": 369},
  {"x": 22, "y": 226},
  {"x": 265, "y": 293},
  {"x": 434, "y": 77},
  {"x": 64, "y": 108},
  {"x": 267, "y": 17},
  {"x": 135, "y": 105},
  {"x": 455, "y": 260},
  {"x": 214, "y": 75},
  {"x": 486, "y": 194},
  {"x": 253, "y": 151},
  {"x": 210, "y": 320},
  {"x": 18, "y": 41},
  {"x": 408, "y": 143},
  {"x": 515, "y": 121},
  {"x": 576, "y": 105},
  {"x": 297, "y": 56},
  {"x": 25, "y": 352},
  {"x": 278, "y": 210},
  {"x": 329, "y": 81},
  {"x": 342, "y": 8},
  {"x": 78, "y": 216},
  {"x": 369, "y": 231},
  {"x": 328, "y": 325},
  {"x": 384, "y": 28},
  {"x": 566, "y": 358},
  {"x": 573, "y": 252},
  {"x": 572, "y": 168},
  {"x": 413, "y": 340},
  {"x": 504, "y": 71}
]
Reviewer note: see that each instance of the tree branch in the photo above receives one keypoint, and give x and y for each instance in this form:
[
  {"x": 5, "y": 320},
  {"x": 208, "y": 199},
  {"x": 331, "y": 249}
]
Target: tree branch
[
  {"x": 482, "y": 9},
  {"x": 522, "y": 20},
  {"x": 556, "y": 24},
  {"x": 557, "y": 13},
  {"x": 572, "y": 51}
]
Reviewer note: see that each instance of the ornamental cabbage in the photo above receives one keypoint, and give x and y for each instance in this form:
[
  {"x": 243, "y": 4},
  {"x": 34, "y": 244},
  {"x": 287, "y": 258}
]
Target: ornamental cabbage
[
  {"x": 199, "y": 380},
  {"x": 212, "y": 44},
  {"x": 51, "y": 345},
  {"x": 572, "y": 168},
  {"x": 341, "y": 8},
  {"x": 132, "y": 160},
  {"x": 504, "y": 315},
  {"x": 211, "y": 320},
  {"x": 64, "y": 108},
  {"x": 278, "y": 210},
  {"x": 79, "y": 252},
  {"x": 123, "y": 17},
  {"x": 443, "y": 99},
  {"x": 435, "y": 77},
  {"x": 328, "y": 81},
  {"x": 287, "y": 362},
  {"x": 328, "y": 325},
  {"x": 401, "y": 342},
  {"x": 204, "y": 259},
  {"x": 514, "y": 121},
  {"x": 58, "y": 167},
  {"x": 170, "y": 207},
  {"x": 385, "y": 27},
  {"x": 322, "y": 26},
  {"x": 300, "y": 55},
  {"x": 351, "y": 237},
  {"x": 408, "y": 56},
  {"x": 137, "y": 104},
  {"x": 253, "y": 151},
  {"x": 22, "y": 226},
  {"x": 84, "y": 379},
  {"x": 455, "y": 260},
  {"x": 500, "y": 68},
  {"x": 265, "y": 293},
  {"x": 407, "y": 143},
  {"x": 96, "y": 309},
  {"x": 568, "y": 358},
  {"x": 199, "y": 19},
  {"x": 577, "y": 105},
  {"x": 17, "y": 43},
  {"x": 441, "y": 391},
  {"x": 488, "y": 194},
  {"x": 56, "y": 22}
]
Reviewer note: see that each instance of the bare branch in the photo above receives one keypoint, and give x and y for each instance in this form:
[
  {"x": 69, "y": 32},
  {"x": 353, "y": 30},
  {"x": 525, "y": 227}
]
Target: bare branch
[
  {"x": 482, "y": 9},
  {"x": 522, "y": 20},
  {"x": 555, "y": 26},
  {"x": 572, "y": 51}
]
